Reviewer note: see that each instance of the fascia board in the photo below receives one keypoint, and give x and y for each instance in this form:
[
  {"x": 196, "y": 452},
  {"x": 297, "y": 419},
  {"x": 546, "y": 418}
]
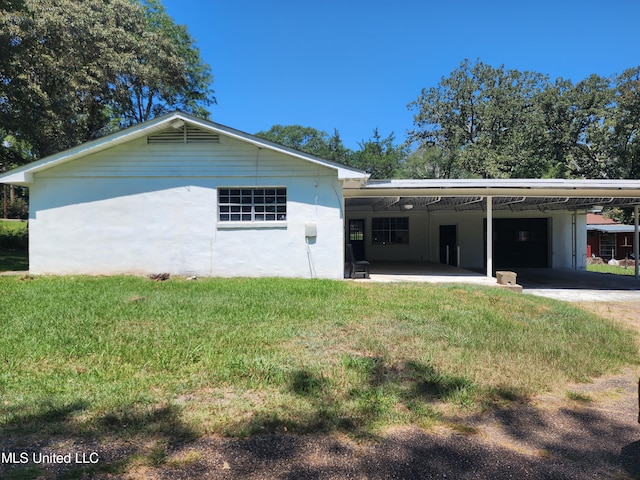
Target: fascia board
[
  {"x": 500, "y": 188},
  {"x": 611, "y": 228},
  {"x": 25, "y": 175},
  {"x": 20, "y": 175}
]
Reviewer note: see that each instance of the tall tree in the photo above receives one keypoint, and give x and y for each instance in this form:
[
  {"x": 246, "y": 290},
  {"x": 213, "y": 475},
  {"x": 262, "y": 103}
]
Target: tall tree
[
  {"x": 624, "y": 125},
  {"x": 309, "y": 140},
  {"x": 336, "y": 149},
  {"x": 481, "y": 118},
  {"x": 162, "y": 70},
  {"x": 379, "y": 156},
  {"x": 50, "y": 74},
  {"x": 425, "y": 162},
  {"x": 71, "y": 70},
  {"x": 573, "y": 141}
]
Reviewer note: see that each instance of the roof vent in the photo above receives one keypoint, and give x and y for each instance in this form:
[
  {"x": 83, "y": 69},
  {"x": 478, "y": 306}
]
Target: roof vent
[{"x": 183, "y": 134}]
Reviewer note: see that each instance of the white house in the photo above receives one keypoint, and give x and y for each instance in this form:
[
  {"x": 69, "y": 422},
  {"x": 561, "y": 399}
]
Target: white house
[
  {"x": 182, "y": 195},
  {"x": 189, "y": 197}
]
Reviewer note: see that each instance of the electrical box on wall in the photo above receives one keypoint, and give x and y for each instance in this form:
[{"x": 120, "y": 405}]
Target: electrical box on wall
[{"x": 310, "y": 230}]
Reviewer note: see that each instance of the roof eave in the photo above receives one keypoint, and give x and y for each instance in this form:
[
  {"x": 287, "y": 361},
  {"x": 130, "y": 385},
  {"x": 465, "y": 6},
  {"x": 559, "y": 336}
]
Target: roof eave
[
  {"x": 611, "y": 228},
  {"x": 23, "y": 179},
  {"x": 24, "y": 175},
  {"x": 500, "y": 188}
]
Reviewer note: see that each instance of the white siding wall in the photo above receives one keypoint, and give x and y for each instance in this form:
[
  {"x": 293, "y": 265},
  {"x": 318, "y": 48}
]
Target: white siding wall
[
  {"x": 424, "y": 231},
  {"x": 143, "y": 209}
]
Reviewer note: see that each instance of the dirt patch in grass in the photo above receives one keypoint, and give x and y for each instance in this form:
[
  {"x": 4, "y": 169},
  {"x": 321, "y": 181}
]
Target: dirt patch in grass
[
  {"x": 579, "y": 420},
  {"x": 627, "y": 313}
]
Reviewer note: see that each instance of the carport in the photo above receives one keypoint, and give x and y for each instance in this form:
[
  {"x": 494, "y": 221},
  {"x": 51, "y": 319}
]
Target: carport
[{"x": 480, "y": 224}]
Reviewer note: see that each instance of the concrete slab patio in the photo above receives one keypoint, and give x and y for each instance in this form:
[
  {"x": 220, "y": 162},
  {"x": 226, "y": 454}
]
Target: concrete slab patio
[
  {"x": 425, "y": 272},
  {"x": 562, "y": 284}
]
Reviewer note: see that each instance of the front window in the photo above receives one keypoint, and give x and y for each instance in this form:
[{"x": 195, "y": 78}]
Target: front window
[
  {"x": 252, "y": 204},
  {"x": 390, "y": 231}
]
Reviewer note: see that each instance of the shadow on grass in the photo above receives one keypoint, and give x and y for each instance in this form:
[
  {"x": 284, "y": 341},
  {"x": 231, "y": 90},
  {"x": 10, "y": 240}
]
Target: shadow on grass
[
  {"x": 108, "y": 444},
  {"x": 570, "y": 443},
  {"x": 13, "y": 260},
  {"x": 414, "y": 387},
  {"x": 576, "y": 443}
]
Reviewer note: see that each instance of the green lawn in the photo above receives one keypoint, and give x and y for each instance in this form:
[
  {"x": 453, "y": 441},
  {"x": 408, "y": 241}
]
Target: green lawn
[
  {"x": 165, "y": 362},
  {"x": 13, "y": 246},
  {"x": 616, "y": 270},
  {"x": 13, "y": 260},
  {"x": 13, "y": 225}
]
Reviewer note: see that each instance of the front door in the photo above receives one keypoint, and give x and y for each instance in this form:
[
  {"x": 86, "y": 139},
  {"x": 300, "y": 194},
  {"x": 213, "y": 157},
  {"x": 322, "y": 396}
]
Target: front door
[
  {"x": 449, "y": 244},
  {"x": 356, "y": 237}
]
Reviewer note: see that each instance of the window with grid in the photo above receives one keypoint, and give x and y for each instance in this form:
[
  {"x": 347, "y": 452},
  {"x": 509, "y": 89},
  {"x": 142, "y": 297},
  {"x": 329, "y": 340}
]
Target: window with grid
[
  {"x": 252, "y": 204},
  {"x": 607, "y": 245},
  {"x": 390, "y": 231}
]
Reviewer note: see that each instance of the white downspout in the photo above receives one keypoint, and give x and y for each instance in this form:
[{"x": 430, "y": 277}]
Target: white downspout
[
  {"x": 574, "y": 240},
  {"x": 636, "y": 239}
]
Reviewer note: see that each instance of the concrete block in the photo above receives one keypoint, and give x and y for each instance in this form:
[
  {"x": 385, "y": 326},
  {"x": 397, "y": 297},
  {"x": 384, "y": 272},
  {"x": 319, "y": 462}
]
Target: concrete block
[{"x": 506, "y": 278}]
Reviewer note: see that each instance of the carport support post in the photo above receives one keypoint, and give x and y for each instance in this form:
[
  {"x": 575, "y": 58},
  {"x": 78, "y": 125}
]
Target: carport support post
[
  {"x": 490, "y": 237},
  {"x": 574, "y": 240},
  {"x": 636, "y": 239}
]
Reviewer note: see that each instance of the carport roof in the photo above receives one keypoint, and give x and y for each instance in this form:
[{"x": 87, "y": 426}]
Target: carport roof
[
  {"x": 508, "y": 194},
  {"x": 611, "y": 228}
]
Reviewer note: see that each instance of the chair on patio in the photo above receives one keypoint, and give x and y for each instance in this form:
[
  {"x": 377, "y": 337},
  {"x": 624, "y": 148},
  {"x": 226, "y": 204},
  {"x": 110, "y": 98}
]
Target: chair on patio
[{"x": 356, "y": 267}]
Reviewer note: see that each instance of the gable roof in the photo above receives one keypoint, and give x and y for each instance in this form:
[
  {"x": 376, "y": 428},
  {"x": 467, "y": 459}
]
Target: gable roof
[
  {"x": 599, "y": 223},
  {"x": 599, "y": 219},
  {"x": 24, "y": 175}
]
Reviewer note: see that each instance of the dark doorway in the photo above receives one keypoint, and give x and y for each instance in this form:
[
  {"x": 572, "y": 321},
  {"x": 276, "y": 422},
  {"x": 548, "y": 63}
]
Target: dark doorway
[
  {"x": 449, "y": 244},
  {"x": 520, "y": 242},
  {"x": 356, "y": 237}
]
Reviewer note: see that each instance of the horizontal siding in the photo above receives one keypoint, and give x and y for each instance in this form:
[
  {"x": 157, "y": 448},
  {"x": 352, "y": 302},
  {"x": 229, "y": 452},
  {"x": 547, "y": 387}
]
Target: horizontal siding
[{"x": 229, "y": 158}]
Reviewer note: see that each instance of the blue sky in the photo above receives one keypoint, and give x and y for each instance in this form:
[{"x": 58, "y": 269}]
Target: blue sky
[{"x": 354, "y": 65}]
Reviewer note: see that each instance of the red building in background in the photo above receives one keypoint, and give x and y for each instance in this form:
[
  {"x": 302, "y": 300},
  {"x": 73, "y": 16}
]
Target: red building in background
[{"x": 607, "y": 239}]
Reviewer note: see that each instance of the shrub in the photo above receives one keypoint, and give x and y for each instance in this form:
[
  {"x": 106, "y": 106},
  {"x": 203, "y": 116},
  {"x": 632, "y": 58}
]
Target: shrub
[{"x": 18, "y": 209}]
